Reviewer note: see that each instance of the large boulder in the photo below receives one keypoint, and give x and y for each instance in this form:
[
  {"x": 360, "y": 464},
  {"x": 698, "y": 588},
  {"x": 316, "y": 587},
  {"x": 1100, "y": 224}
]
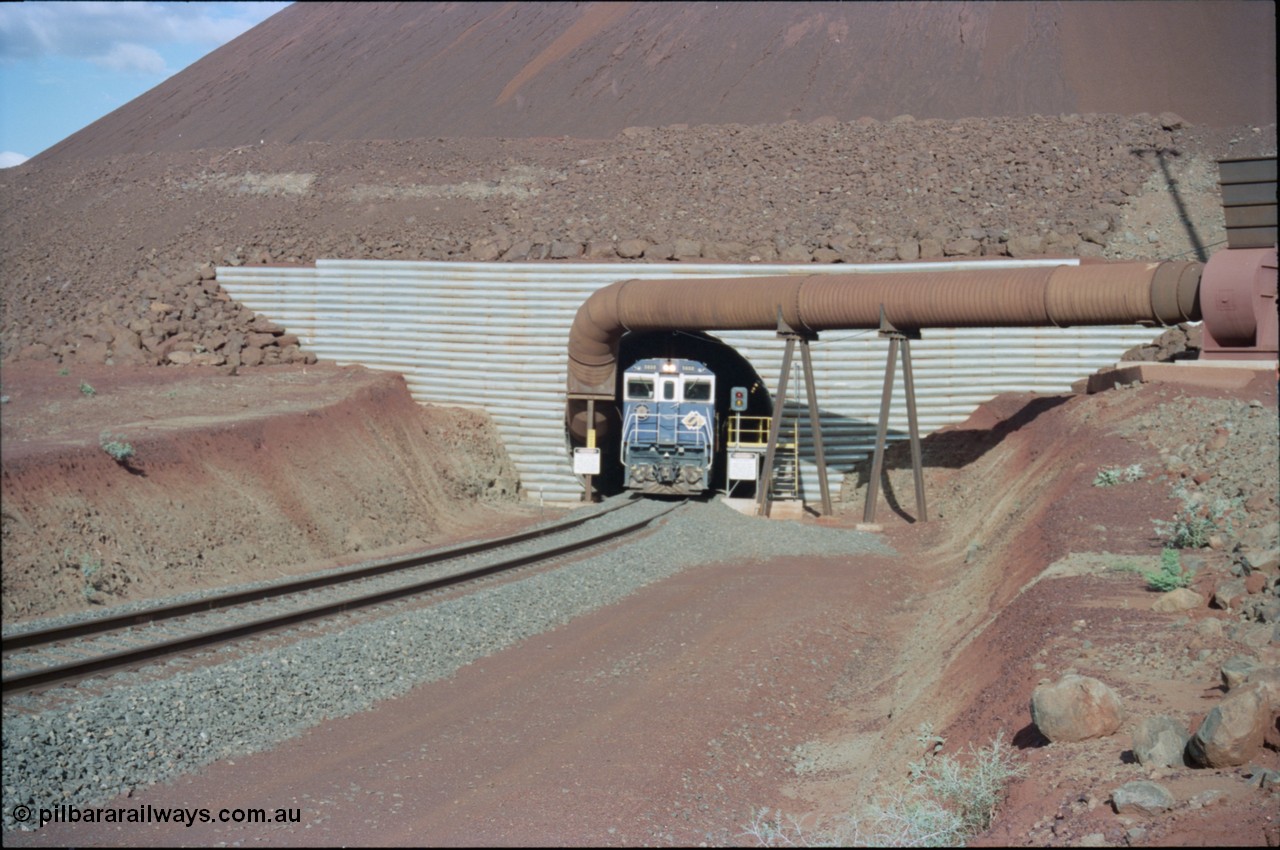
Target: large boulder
[
  {"x": 1149, "y": 798},
  {"x": 600, "y": 250},
  {"x": 562, "y": 249},
  {"x": 1178, "y": 599},
  {"x": 1232, "y": 732},
  {"x": 1025, "y": 246},
  {"x": 1266, "y": 680},
  {"x": 632, "y": 249},
  {"x": 732, "y": 251},
  {"x": 1160, "y": 741},
  {"x": 1236, "y": 669},
  {"x": 795, "y": 254},
  {"x": 1076, "y": 708},
  {"x": 686, "y": 249}
]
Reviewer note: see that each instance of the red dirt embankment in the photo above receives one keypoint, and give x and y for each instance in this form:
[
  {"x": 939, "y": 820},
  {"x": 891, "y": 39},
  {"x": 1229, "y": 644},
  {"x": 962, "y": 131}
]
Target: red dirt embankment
[
  {"x": 802, "y": 683},
  {"x": 1039, "y": 576},
  {"x": 231, "y": 477}
]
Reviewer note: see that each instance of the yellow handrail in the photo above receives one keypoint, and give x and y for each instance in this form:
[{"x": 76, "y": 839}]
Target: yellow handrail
[{"x": 752, "y": 432}]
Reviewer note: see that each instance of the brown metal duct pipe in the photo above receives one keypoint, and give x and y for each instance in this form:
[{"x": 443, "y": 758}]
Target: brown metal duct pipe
[{"x": 1091, "y": 294}]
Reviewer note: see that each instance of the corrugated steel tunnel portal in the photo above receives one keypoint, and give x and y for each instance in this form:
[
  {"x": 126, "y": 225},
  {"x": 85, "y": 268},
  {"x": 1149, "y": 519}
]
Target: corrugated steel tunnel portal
[{"x": 495, "y": 336}]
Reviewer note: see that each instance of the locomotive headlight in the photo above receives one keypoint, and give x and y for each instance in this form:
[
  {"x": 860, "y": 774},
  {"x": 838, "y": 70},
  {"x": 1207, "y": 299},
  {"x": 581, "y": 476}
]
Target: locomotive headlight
[{"x": 642, "y": 411}]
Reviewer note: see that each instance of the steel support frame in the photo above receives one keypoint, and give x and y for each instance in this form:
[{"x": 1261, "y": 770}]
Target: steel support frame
[
  {"x": 897, "y": 339},
  {"x": 763, "y": 502}
]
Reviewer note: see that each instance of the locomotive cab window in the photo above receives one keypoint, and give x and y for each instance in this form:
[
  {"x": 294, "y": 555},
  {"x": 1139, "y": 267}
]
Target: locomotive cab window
[
  {"x": 639, "y": 388},
  {"x": 668, "y": 390},
  {"x": 697, "y": 390}
]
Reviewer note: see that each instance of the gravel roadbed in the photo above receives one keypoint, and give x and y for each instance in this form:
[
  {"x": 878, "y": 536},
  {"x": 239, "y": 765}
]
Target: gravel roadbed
[
  {"x": 138, "y": 734},
  {"x": 143, "y": 605}
]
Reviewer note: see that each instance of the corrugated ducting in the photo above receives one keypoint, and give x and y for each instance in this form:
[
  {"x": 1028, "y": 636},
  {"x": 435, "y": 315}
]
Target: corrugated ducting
[
  {"x": 1058, "y": 296},
  {"x": 494, "y": 335}
]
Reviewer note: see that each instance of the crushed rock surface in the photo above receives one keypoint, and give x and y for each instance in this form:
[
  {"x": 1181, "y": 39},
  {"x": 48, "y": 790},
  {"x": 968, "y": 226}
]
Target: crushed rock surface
[{"x": 113, "y": 260}]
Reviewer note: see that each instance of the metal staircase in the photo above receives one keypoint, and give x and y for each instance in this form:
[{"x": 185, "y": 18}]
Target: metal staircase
[
  {"x": 751, "y": 434},
  {"x": 786, "y": 460}
]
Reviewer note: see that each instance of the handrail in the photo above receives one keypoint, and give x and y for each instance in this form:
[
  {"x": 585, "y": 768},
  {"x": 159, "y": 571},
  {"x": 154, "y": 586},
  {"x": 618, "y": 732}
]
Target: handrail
[{"x": 756, "y": 436}]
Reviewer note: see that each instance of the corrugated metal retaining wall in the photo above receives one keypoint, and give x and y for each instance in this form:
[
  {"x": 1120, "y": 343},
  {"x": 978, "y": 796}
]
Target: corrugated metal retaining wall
[{"x": 495, "y": 335}]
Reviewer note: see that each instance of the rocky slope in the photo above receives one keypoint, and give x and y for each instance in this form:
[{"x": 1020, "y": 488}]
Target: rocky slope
[
  {"x": 1054, "y": 511},
  {"x": 216, "y": 480},
  {"x": 346, "y": 71},
  {"x": 113, "y": 260}
]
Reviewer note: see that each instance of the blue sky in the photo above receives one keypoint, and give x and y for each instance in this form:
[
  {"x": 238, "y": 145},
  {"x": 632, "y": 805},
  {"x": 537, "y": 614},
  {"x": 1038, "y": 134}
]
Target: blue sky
[{"x": 65, "y": 65}]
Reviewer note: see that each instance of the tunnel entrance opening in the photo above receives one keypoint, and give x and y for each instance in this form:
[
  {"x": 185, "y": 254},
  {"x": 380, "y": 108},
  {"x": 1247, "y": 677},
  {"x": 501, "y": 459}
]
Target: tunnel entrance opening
[{"x": 731, "y": 370}]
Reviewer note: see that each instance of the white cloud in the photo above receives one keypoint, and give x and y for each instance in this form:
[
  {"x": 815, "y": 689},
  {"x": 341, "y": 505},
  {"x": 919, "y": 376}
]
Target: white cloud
[
  {"x": 134, "y": 58},
  {"x": 8, "y": 159},
  {"x": 106, "y": 33}
]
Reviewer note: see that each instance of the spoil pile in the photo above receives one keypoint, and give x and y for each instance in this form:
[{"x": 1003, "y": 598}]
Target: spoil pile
[{"x": 113, "y": 260}]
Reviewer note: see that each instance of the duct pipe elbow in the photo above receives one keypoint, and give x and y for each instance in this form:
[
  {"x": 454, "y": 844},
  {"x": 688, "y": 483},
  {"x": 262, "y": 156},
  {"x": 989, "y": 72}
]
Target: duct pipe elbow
[
  {"x": 593, "y": 343},
  {"x": 671, "y": 304}
]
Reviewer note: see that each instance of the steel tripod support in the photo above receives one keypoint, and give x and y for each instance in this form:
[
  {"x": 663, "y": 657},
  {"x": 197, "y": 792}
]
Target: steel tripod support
[
  {"x": 820, "y": 454},
  {"x": 763, "y": 502},
  {"x": 896, "y": 339}
]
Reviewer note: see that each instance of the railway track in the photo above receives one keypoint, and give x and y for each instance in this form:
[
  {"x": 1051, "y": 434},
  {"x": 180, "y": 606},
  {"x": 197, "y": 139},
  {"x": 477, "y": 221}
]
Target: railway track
[{"x": 67, "y": 653}]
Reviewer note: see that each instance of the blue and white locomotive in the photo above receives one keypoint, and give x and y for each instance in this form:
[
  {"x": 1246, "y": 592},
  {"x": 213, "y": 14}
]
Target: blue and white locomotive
[{"x": 668, "y": 426}]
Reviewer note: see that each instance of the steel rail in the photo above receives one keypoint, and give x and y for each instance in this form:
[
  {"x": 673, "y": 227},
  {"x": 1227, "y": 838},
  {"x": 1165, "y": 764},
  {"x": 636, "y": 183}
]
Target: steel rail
[
  {"x": 39, "y": 637},
  {"x": 79, "y": 668}
]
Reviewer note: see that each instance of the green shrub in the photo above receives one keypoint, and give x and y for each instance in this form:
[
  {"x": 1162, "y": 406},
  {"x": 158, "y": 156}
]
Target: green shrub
[
  {"x": 86, "y": 389},
  {"x": 89, "y": 567},
  {"x": 120, "y": 451},
  {"x": 1195, "y": 523},
  {"x": 946, "y": 804},
  {"x": 974, "y": 792},
  {"x": 773, "y": 829},
  {"x": 1171, "y": 574},
  {"x": 913, "y": 821},
  {"x": 1109, "y": 477},
  {"x": 1106, "y": 478}
]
